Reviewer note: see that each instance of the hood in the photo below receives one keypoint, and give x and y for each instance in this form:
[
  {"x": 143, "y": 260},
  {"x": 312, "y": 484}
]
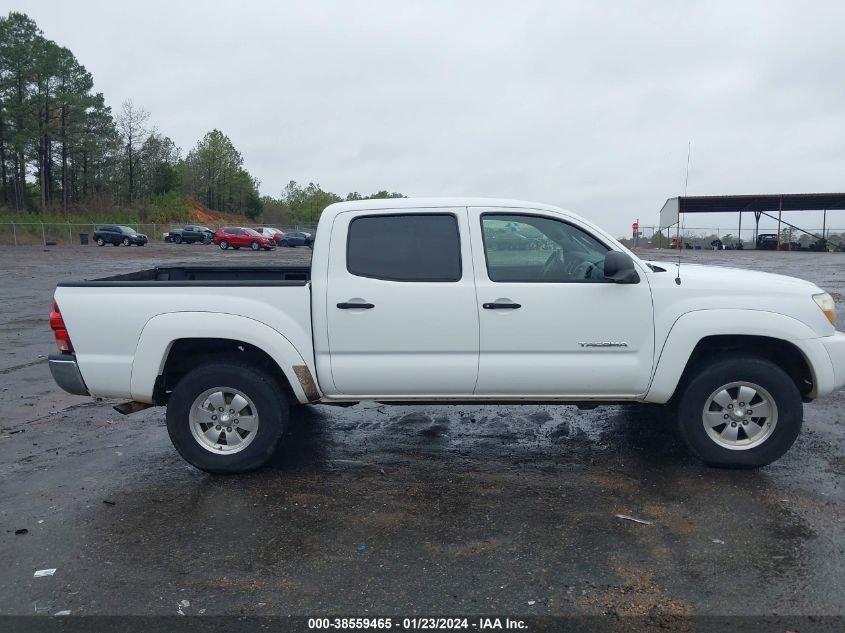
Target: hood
[
  {"x": 751, "y": 281},
  {"x": 717, "y": 287}
]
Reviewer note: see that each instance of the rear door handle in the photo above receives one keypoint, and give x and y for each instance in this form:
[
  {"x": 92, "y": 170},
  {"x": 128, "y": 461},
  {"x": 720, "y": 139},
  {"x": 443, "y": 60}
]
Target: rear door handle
[
  {"x": 348, "y": 306},
  {"x": 501, "y": 306}
]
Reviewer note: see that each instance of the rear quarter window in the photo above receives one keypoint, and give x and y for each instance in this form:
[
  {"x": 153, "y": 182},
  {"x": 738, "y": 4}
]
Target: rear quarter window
[{"x": 407, "y": 247}]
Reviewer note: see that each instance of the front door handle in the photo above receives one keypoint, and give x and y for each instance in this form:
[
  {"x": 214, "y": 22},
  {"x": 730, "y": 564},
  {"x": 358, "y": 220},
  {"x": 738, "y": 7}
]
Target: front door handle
[
  {"x": 349, "y": 305},
  {"x": 501, "y": 306}
]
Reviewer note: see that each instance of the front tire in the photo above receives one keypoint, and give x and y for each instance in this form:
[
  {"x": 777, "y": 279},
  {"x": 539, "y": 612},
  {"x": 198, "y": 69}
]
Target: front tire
[
  {"x": 227, "y": 417},
  {"x": 740, "y": 412},
  {"x": 255, "y": 246},
  {"x": 126, "y": 241}
]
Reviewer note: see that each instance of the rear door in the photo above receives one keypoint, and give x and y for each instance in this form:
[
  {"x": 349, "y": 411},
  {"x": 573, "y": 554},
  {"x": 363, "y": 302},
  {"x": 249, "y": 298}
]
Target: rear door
[
  {"x": 401, "y": 304},
  {"x": 550, "y": 324}
]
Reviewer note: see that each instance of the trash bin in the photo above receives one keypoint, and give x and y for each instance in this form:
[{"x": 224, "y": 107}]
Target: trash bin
[{"x": 83, "y": 238}]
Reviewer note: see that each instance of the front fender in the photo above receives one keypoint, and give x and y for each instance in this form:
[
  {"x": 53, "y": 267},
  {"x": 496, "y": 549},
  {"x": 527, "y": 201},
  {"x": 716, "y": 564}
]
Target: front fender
[
  {"x": 691, "y": 327},
  {"x": 161, "y": 331}
]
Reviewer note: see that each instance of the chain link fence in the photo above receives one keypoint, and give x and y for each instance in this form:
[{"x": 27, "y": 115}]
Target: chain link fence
[
  {"x": 75, "y": 234},
  {"x": 702, "y": 237}
]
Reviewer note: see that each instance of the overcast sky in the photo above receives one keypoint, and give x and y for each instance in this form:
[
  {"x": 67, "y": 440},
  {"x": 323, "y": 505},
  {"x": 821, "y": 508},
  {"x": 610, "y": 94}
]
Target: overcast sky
[{"x": 588, "y": 105}]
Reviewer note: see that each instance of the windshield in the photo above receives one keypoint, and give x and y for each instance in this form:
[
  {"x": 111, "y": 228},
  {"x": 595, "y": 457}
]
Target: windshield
[
  {"x": 252, "y": 232},
  {"x": 126, "y": 229}
]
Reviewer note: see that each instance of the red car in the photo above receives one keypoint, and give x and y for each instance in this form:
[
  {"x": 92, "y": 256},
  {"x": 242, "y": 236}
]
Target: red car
[{"x": 237, "y": 236}]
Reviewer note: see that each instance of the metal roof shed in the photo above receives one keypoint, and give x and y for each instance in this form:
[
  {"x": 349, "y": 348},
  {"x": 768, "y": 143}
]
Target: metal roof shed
[{"x": 760, "y": 204}]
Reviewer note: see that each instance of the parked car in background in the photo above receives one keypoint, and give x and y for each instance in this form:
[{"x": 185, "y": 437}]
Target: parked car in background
[
  {"x": 237, "y": 236},
  {"x": 189, "y": 234},
  {"x": 117, "y": 235},
  {"x": 767, "y": 242},
  {"x": 297, "y": 239},
  {"x": 270, "y": 233}
]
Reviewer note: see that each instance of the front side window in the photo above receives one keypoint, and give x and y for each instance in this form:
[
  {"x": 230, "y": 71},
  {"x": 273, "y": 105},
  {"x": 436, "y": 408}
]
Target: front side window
[
  {"x": 411, "y": 247},
  {"x": 531, "y": 249}
]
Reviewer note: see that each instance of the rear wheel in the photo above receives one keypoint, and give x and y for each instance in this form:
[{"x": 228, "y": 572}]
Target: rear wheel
[
  {"x": 227, "y": 417},
  {"x": 177, "y": 239},
  {"x": 101, "y": 241},
  {"x": 224, "y": 245},
  {"x": 740, "y": 412}
]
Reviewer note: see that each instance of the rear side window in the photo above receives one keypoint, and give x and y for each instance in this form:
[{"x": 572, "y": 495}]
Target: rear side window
[{"x": 413, "y": 247}]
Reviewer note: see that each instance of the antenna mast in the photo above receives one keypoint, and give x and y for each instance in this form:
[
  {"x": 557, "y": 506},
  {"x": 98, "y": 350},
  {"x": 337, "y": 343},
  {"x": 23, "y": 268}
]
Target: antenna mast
[{"x": 678, "y": 230}]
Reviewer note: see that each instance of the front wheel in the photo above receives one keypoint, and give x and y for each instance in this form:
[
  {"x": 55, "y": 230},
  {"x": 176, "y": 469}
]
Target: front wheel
[
  {"x": 224, "y": 245},
  {"x": 126, "y": 241},
  {"x": 740, "y": 412},
  {"x": 227, "y": 417},
  {"x": 255, "y": 246}
]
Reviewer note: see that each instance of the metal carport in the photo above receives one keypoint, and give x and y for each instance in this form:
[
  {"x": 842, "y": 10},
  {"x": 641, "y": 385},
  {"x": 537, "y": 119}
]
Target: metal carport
[{"x": 760, "y": 205}]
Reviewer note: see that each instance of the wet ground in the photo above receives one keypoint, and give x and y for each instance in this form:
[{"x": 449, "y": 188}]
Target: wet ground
[{"x": 382, "y": 510}]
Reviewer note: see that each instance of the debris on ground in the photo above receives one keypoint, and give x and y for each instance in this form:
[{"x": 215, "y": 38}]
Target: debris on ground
[
  {"x": 718, "y": 541},
  {"x": 65, "y": 612},
  {"x": 43, "y": 572},
  {"x": 108, "y": 502},
  {"x": 362, "y": 547},
  {"x": 634, "y": 519},
  {"x": 22, "y": 531}
]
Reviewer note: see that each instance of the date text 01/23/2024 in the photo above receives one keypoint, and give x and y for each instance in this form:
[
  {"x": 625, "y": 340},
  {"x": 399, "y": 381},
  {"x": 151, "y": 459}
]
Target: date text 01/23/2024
[{"x": 417, "y": 623}]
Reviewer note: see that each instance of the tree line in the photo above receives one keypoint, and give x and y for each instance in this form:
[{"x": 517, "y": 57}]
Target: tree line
[
  {"x": 63, "y": 150},
  {"x": 62, "y": 147}
]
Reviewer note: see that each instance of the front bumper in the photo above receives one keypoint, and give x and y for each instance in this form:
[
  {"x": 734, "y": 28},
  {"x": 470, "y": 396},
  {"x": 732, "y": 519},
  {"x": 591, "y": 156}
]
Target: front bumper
[{"x": 66, "y": 374}]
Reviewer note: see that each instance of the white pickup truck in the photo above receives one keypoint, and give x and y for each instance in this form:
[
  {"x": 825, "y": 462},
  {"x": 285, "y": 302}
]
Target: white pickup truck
[{"x": 452, "y": 300}]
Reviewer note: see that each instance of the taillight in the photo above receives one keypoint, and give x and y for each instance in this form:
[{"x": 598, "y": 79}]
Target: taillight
[{"x": 57, "y": 324}]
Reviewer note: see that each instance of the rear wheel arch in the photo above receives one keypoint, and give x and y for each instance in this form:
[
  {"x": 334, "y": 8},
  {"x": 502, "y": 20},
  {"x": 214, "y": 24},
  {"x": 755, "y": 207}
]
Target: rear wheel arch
[
  {"x": 187, "y": 353},
  {"x": 192, "y": 335}
]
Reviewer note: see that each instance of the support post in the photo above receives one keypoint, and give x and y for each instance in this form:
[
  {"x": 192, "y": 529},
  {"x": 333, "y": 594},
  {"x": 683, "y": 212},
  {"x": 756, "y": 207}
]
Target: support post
[
  {"x": 14, "y": 234},
  {"x": 739, "y": 230},
  {"x": 780, "y": 212},
  {"x": 43, "y": 235}
]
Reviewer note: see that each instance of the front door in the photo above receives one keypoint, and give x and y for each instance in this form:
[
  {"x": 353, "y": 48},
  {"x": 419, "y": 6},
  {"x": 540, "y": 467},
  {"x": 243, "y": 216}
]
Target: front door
[
  {"x": 550, "y": 325},
  {"x": 401, "y": 304}
]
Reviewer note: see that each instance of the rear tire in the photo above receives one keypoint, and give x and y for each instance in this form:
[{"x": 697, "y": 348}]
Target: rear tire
[
  {"x": 722, "y": 433},
  {"x": 224, "y": 245},
  {"x": 101, "y": 241},
  {"x": 177, "y": 239},
  {"x": 245, "y": 389}
]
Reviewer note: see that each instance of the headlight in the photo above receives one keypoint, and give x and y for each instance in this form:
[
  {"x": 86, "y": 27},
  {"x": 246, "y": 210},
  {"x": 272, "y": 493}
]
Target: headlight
[{"x": 827, "y": 305}]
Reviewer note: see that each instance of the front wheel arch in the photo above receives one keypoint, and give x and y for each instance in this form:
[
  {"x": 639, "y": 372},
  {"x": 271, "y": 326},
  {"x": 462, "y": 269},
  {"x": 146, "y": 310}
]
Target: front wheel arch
[{"x": 778, "y": 351}]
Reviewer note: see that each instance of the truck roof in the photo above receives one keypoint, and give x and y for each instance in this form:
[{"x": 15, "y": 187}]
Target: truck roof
[{"x": 433, "y": 203}]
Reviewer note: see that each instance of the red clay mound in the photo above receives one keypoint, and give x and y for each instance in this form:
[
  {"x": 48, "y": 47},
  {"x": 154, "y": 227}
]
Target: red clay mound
[{"x": 204, "y": 215}]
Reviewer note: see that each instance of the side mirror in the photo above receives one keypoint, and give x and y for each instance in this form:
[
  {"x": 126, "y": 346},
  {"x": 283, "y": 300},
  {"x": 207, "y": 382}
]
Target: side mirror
[{"x": 619, "y": 268}]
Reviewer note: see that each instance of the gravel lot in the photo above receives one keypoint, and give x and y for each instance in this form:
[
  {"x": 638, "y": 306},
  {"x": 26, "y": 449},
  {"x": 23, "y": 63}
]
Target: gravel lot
[{"x": 383, "y": 510}]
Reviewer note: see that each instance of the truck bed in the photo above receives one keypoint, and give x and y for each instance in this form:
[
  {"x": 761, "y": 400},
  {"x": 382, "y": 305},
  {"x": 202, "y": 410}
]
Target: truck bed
[{"x": 204, "y": 276}]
